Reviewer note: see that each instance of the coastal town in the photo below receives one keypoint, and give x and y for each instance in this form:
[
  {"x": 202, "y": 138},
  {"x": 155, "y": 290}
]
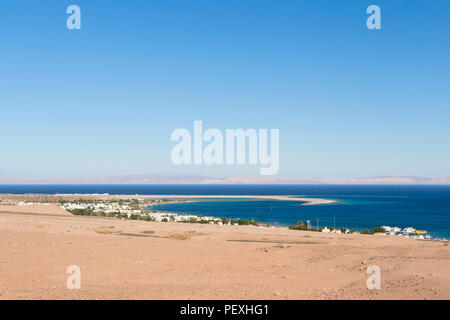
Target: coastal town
[
  {"x": 133, "y": 210},
  {"x": 141, "y": 209},
  {"x": 129, "y": 209}
]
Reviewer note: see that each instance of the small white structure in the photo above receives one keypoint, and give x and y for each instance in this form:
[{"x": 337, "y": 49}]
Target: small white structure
[
  {"x": 326, "y": 230},
  {"x": 25, "y": 203},
  {"x": 336, "y": 231},
  {"x": 408, "y": 230}
]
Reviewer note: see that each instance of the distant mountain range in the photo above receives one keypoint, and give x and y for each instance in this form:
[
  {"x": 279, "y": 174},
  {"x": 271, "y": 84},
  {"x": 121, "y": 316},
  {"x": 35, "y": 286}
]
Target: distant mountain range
[{"x": 198, "y": 179}]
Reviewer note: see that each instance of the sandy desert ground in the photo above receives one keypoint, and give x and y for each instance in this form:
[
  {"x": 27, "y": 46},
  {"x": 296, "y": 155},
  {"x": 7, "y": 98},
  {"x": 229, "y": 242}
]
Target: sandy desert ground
[{"x": 156, "y": 260}]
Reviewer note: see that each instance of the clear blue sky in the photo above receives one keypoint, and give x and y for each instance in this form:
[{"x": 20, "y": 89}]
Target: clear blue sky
[{"x": 103, "y": 100}]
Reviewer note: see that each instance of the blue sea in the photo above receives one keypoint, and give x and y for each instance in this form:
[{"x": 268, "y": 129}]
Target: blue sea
[{"x": 360, "y": 207}]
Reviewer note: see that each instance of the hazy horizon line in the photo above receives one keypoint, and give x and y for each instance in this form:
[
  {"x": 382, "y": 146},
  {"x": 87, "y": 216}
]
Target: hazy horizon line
[{"x": 199, "y": 180}]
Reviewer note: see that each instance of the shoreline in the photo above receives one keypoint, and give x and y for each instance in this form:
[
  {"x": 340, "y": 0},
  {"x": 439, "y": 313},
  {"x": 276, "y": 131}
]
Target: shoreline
[
  {"x": 41, "y": 198},
  {"x": 315, "y": 201},
  {"x": 308, "y": 201}
]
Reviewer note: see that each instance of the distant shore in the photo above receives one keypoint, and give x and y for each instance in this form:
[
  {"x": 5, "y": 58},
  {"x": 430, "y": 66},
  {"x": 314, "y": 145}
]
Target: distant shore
[{"x": 308, "y": 201}]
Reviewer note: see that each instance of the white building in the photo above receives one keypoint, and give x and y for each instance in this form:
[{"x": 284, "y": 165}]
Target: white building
[{"x": 408, "y": 230}]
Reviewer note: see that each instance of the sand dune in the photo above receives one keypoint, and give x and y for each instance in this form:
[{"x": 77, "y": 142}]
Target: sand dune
[
  {"x": 150, "y": 260},
  {"x": 44, "y": 209}
]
